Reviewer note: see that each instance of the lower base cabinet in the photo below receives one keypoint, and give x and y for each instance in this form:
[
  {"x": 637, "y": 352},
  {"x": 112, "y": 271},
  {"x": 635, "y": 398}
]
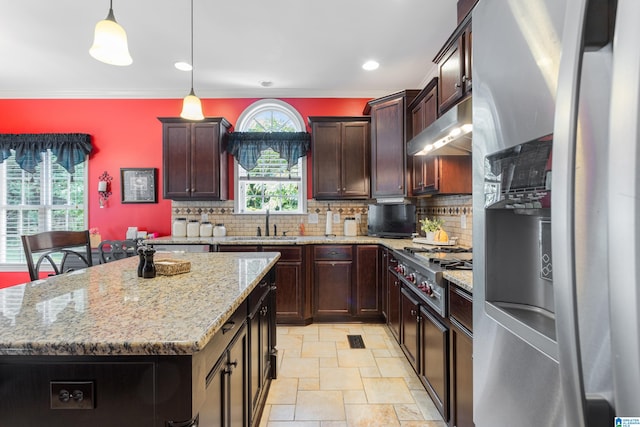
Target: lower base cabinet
[
  {"x": 460, "y": 316},
  {"x": 223, "y": 385},
  {"x": 225, "y": 401},
  {"x": 425, "y": 342}
]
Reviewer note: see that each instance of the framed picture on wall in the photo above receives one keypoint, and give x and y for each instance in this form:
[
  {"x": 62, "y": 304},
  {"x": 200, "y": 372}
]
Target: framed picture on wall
[{"x": 138, "y": 185}]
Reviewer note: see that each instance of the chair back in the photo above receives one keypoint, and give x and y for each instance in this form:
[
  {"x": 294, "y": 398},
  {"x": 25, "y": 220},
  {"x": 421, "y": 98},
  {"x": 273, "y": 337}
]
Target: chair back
[
  {"x": 67, "y": 246},
  {"x": 112, "y": 250}
]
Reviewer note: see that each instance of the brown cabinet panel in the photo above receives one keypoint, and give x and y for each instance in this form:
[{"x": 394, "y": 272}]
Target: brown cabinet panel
[
  {"x": 434, "y": 360},
  {"x": 391, "y": 125},
  {"x": 368, "y": 284},
  {"x": 332, "y": 282},
  {"x": 332, "y": 252},
  {"x": 341, "y": 159},
  {"x": 393, "y": 299},
  {"x": 444, "y": 175},
  {"x": 454, "y": 67},
  {"x": 461, "y": 307},
  {"x": 193, "y": 159},
  {"x": 409, "y": 312},
  {"x": 461, "y": 378}
]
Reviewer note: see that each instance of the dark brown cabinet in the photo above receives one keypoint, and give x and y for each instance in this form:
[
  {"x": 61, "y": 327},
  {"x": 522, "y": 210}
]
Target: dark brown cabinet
[
  {"x": 393, "y": 296},
  {"x": 424, "y": 340},
  {"x": 332, "y": 278},
  {"x": 291, "y": 290},
  {"x": 390, "y": 129},
  {"x": 368, "y": 286},
  {"x": 434, "y": 359},
  {"x": 224, "y": 403},
  {"x": 193, "y": 159},
  {"x": 442, "y": 175},
  {"x": 454, "y": 67},
  {"x": 341, "y": 157},
  {"x": 261, "y": 342},
  {"x": 461, "y": 354}
]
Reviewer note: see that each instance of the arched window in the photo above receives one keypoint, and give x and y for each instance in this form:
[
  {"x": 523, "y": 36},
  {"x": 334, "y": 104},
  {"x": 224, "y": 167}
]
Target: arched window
[{"x": 270, "y": 185}]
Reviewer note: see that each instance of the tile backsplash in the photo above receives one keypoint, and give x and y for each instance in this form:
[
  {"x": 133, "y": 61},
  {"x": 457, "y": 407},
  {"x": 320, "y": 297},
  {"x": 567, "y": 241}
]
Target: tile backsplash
[
  {"x": 456, "y": 211},
  {"x": 247, "y": 225}
]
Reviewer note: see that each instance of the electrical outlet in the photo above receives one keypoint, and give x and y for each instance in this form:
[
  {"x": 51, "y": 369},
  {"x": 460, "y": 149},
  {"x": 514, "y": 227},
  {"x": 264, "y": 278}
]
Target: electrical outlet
[
  {"x": 358, "y": 218},
  {"x": 336, "y": 218},
  {"x": 313, "y": 218},
  {"x": 463, "y": 221},
  {"x": 72, "y": 395}
]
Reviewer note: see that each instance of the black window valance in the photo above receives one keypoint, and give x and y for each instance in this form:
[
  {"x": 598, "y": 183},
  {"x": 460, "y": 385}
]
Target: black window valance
[
  {"x": 69, "y": 149},
  {"x": 247, "y": 146}
]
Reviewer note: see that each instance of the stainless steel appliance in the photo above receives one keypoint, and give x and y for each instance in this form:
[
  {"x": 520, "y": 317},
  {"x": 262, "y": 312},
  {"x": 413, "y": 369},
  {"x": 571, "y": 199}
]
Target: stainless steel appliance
[{"x": 555, "y": 202}]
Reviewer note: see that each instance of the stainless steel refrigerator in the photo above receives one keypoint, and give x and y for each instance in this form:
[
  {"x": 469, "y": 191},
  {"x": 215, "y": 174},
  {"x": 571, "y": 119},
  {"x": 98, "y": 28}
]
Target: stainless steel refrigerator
[{"x": 556, "y": 212}]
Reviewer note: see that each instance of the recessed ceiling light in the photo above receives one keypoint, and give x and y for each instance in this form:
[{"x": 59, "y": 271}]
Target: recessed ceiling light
[
  {"x": 370, "y": 65},
  {"x": 183, "y": 66},
  {"x": 266, "y": 83}
]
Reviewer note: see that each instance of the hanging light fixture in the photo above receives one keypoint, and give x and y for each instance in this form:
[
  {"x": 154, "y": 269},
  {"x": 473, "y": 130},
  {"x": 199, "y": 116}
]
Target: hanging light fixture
[
  {"x": 110, "y": 41},
  {"x": 191, "y": 105}
]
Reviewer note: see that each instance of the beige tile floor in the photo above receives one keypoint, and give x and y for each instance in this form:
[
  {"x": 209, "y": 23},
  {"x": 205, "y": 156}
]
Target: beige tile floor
[{"x": 322, "y": 382}]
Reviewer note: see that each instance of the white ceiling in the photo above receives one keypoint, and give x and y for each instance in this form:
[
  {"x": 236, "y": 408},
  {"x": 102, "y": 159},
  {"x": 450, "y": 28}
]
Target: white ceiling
[{"x": 306, "y": 48}]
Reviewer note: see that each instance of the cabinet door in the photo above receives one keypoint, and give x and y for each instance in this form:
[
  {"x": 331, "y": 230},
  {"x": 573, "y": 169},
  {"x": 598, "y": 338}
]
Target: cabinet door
[
  {"x": 368, "y": 283},
  {"x": 327, "y": 138},
  {"x": 236, "y": 380},
  {"x": 290, "y": 284},
  {"x": 450, "y": 71},
  {"x": 393, "y": 312},
  {"x": 417, "y": 174},
  {"x": 461, "y": 378},
  {"x": 387, "y": 149},
  {"x": 332, "y": 283},
  {"x": 434, "y": 370},
  {"x": 213, "y": 411},
  {"x": 409, "y": 327},
  {"x": 205, "y": 161},
  {"x": 431, "y": 174},
  {"x": 176, "y": 158},
  {"x": 355, "y": 160}
]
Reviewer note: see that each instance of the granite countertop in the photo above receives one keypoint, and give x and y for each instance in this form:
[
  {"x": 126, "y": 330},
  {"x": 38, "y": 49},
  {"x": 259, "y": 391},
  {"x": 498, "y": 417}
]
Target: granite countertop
[
  {"x": 397, "y": 244},
  {"x": 108, "y": 310},
  {"x": 461, "y": 278}
]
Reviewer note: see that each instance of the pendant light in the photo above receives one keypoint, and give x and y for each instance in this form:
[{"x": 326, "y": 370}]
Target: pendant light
[
  {"x": 191, "y": 105},
  {"x": 110, "y": 41}
]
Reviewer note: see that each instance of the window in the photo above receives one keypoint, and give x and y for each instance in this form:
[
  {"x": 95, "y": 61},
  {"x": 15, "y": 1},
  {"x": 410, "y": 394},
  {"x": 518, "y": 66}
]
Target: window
[
  {"x": 49, "y": 199},
  {"x": 270, "y": 185}
]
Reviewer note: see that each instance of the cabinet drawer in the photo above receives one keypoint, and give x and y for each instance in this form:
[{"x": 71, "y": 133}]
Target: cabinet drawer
[
  {"x": 332, "y": 253},
  {"x": 461, "y": 307},
  {"x": 287, "y": 253}
]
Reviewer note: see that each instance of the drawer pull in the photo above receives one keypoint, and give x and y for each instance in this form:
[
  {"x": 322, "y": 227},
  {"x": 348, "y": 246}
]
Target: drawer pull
[{"x": 228, "y": 327}]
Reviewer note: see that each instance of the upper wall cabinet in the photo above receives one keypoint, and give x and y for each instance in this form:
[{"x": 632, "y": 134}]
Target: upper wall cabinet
[
  {"x": 341, "y": 157},
  {"x": 193, "y": 159},
  {"x": 391, "y": 127},
  {"x": 454, "y": 67}
]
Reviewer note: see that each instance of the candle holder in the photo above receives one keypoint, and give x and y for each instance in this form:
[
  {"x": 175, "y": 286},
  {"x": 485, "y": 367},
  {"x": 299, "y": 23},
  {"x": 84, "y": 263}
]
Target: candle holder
[{"x": 104, "y": 188}]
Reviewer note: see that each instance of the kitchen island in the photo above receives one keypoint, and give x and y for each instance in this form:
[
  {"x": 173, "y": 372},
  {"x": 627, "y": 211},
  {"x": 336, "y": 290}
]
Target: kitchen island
[{"x": 102, "y": 347}]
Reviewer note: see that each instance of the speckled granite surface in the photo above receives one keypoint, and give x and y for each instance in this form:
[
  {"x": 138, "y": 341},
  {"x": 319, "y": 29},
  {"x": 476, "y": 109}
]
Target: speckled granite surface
[
  {"x": 108, "y": 310},
  {"x": 462, "y": 278}
]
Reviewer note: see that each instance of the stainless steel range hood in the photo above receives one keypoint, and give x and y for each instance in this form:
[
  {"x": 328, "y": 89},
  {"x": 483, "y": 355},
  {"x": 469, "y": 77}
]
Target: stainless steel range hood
[{"x": 449, "y": 135}]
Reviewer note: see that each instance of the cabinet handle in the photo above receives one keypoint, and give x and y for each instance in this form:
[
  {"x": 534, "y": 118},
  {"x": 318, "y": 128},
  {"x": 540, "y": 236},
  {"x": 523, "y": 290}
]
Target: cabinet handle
[
  {"x": 457, "y": 85},
  {"x": 227, "y": 327},
  {"x": 186, "y": 190},
  {"x": 344, "y": 189},
  {"x": 413, "y": 313},
  {"x": 230, "y": 367},
  {"x": 399, "y": 187},
  {"x": 464, "y": 79},
  {"x": 396, "y": 283}
]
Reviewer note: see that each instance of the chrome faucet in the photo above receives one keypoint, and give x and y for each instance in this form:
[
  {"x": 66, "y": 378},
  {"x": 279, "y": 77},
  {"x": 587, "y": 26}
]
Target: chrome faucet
[{"x": 267, "y": 224}]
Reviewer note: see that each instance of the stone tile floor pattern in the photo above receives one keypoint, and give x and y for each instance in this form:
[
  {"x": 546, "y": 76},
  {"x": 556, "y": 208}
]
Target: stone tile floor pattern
[{"x": 322, "y": 382}]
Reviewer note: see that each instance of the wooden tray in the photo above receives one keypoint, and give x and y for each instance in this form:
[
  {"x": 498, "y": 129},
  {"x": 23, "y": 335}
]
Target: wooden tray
[{"x": 170, "y": 267}]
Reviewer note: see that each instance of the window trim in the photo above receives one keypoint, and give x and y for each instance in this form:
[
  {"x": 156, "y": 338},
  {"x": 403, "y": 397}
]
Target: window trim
[
  {"x": 243, "y": 121},
  {"x": 22, "y": 267}
]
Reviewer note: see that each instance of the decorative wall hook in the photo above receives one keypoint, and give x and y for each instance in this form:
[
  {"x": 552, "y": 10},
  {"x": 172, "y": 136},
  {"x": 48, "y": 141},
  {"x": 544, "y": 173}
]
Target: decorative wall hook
[{"x": 104, "y": 188}]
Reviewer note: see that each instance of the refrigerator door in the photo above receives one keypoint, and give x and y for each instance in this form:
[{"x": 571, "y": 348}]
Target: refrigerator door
[
  {"x": 517, "y": 46},
  {"x": 579, "y": 215},
  {"x": 624, "y": 210}
]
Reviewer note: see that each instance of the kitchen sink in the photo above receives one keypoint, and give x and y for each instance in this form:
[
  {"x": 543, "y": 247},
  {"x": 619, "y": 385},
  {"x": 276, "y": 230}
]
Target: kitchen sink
[{"x": 261, "y": 238}]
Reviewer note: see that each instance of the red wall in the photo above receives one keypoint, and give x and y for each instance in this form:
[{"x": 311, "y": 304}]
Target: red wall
[{"x": 127, "y": 133}]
